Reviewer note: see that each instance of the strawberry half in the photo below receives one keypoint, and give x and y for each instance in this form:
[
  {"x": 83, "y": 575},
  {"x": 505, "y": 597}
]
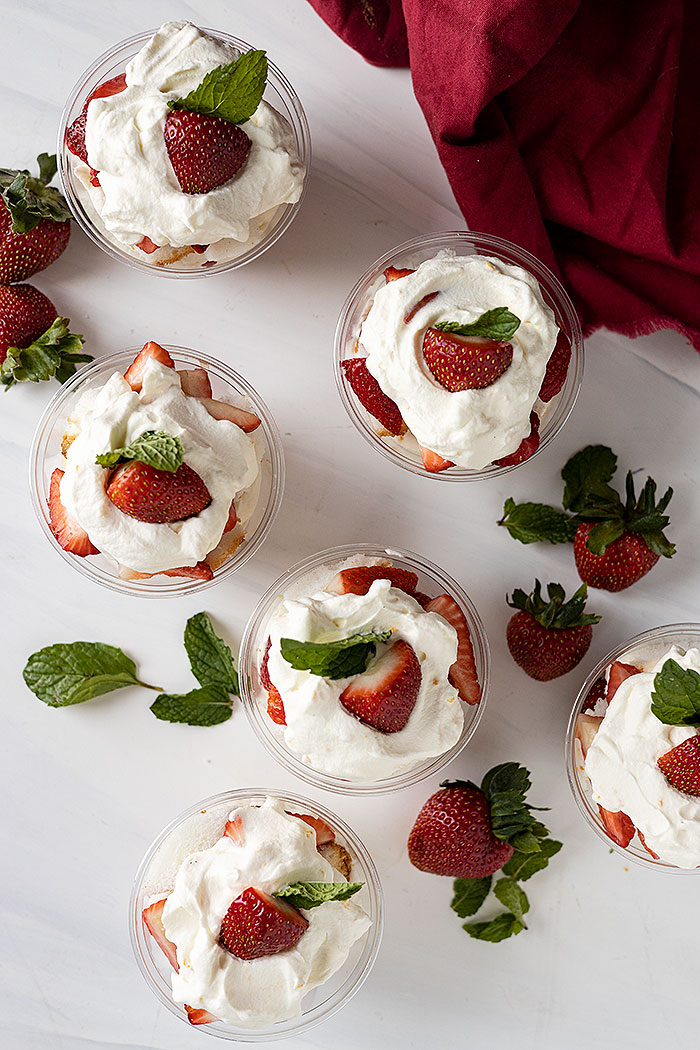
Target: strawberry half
[
  {"x": 527, "y": 447},
  {"x": 205, "y": 151},
  {"x": 618, "y": 826},
  {"x": 371, "y": 396},
  {"x": 461, "y": 362},
  {"x": 71, "y": 536},
  {"x": 257, "y": 924},
  {"x": 681, "y": 766},
  {"x": 157, "y": 496},
  {"x": 548, "y": 638},
  {"x": 153, "y": 918},
  {"x": 463, "y": 671},
  {"x": 617, "y": 674},
  {"x": 384, "y": 695},
  {"x": 135, "y": 372},
  {"x": 433, "y": 462},
  {"x": 358, "y": 580},
  {"x": 557, "y": 367}
]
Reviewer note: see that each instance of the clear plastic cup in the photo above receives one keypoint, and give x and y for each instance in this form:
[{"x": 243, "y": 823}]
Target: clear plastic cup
[
  {"x": 203, "y": 824},
  {"x": 649, "y": 646},
  {"x": 45, "y": 455},
  {"x": 404, "y": 450},
  {"x": 431, "y": 581},
  {"x": 278, "y": 93}
]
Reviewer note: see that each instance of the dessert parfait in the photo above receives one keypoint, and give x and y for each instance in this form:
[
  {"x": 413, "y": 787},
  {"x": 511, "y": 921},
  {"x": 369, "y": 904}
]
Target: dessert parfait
[
  {"x": 634, "y": 748},
  {"x": 363, "y": 669},
  {"x": 178, "y": 161},
  {"x": 157, "y": 479},
  {"x": 247, "y": 906},
  {"x": 453, "y": 352}
]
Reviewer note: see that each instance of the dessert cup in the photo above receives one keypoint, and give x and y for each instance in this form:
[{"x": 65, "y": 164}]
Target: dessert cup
[
  {"x": 432, "y": 581},
  {"x": 227, "y": 385},
  {"x": 404, "y": 450},
  {"x": 278, "y": 93},
  {"x": 202, "y": 824},
  {"x": 647, "y": 646}
]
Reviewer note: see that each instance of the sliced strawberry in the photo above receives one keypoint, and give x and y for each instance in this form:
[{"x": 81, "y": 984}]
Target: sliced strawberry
[
  {"x": 461, "y": 362},
  {"x": 371, "y": 396},
  {"x": 257, "y": 924},
  {"x": 595, "y": 693},
  {"x": 275, "y": 707},
  {"x": 153, "y": 917},
  {"x": 232, "y": 519},
  {"x": 647, "y": 848},
  {"x": 527, "y": 447},
  {"x": 265, "y": 680},
  {"x": 681, "y": 766},
  {"x": 422, "y": 599},
  {"x": 234, "y": 830},
  {"x": 147, "y": 245},
  {"x": 463, "y": 671},
  {"x": 392, "y": 274},
  {"x": 71, "y": 536},
  {"x": 205, "y": 151},
  {"x": 618, "y": 826},
  {"x": 75, "y": 132},
  {"x": 557, "y": 367},
  {"x": 247, "y": 421},
  {"x": 433, "y": 462},
  {"x": 198, "y": 1016},
  {"x": 419, "y": 306},
  {"x": 324, "y": 832},
  {"x": 157, "y": 496},
  {"x": 135, "y": 372},
  {"x": 384, "y": 695},
  {"x": 618, "y": 673},
  {"x": 195, "y": 382},
  {"x": 586, "y": 728},
  {"x": 358, "y": 580}
]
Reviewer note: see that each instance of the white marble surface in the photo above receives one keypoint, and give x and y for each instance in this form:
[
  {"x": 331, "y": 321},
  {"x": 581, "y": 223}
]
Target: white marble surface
[{"x": 610, "y": 958}]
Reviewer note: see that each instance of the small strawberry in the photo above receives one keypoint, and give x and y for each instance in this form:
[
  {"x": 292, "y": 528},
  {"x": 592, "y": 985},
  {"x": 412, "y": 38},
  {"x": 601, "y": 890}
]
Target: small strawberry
[
  {"x": 619, "y": 565},
  {"x": 157, "y": 496},
  {"x": 359, "y": 579},
  {"x": 549, "y": 638},
  {"x": 34, "y": 221},
  {"x": 557, "y": 368},
  {"x": 135, "y": 372},
  {"x": 257, "y": 924},
  {"x": 71, "y": 536},
  {"x": 75, "y": 132},
  {"x": 434, "y": 462},
  {"x": 617, "y": 674},
  {"x": 371, "y": 396},
  {"x": 465, "y": 362},
  {"x": 205, "y": 151},
  {"x": 275, "y": 707},
  {"x": 681, "y": 766},
  {"x": 35, "y": 343},
  {"x": 618, "y": 826},
  {"x": 527, "y": 447},
  {"x": 463, "y": 671},
  {"x": 153, "y": 918},
  {"x": 384, "y": 695}
]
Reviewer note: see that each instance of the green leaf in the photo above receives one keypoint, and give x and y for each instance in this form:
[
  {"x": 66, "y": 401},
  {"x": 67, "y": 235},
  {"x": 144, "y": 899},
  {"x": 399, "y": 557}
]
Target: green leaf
[
  {"x": 72, "y": 672},
  {"x": 55, "y": 353},
  {"x": 537, "y": 523},
  {"x": 207, "y": 706},
  {"x": 469, "y": 895},
  {"x": 585, "y": 478},
  {"x": 232, "y": 92},
  {"x": 311, "y": 894},
  {"x": 498, "y": 929},
  {"x": 556, "y": 613},
  {"x": 602, "y": 535},
  {"x": 512, "y": 897},
  {"x": 338, "y": 659},
  {"x": 154, "y": 448},
  {"x": 498, "y": 323},
  {"x": 210, "y": 658},
  {"x": 526, "y": 842},
  {"x": 47, "y": 167},
  {"x": 675, "y": 698},
  {"x": 30, "y": 200},
  {"x": 523, "y": 866}
]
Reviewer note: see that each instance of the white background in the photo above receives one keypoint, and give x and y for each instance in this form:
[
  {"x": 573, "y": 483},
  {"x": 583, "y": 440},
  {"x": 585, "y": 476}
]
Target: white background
[{"x": 610, "y": 959}]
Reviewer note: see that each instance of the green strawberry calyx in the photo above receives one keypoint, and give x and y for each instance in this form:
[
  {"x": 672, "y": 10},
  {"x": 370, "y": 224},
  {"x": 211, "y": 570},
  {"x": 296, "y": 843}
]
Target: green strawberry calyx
[
  {"x": 55, "y": 353},
  {"x": 29, "y": 199},
  {"x": 555, "y": 613}
]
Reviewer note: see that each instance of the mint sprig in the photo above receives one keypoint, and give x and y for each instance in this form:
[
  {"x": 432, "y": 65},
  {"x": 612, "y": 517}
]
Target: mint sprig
[
  {"x": 537, "y": 523},
  {"x": 72, "y": 672},
  {"x": 675, "y": 697},
  {"x": 210, "y": 657},
  {"x": 208, "y": 706},
  {"x": 154, "y": 448},
  {"x": 232, "y": 92},
  {"x": 338, "y": 659},
  {"x": 54, "y": 353},
  {"x": 28, "y": 199},
  {"x": 312, "y": 894},
  {"x": 498, "y": 323}
]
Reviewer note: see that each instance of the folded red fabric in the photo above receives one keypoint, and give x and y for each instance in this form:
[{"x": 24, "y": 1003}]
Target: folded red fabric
[{"x": 569, "y": 127}]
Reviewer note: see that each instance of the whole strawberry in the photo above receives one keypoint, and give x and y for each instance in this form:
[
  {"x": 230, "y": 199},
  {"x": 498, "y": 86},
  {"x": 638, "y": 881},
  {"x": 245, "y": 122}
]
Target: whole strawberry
[
  {"x": 35, "y": 343},
  {"x": 34, "y": 221},
  {"x": 549, "y": 638}
]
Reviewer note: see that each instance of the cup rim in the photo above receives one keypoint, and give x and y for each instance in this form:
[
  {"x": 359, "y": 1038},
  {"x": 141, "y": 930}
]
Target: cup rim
[
  {"x": 260, "y": 723},
  {"x": 361, "y": 970},
  {"x": 58, "y": 405},
  {"x": 280, "y": 223},
  {"x": 635, "y": 853},
  {"x": 562, "y": 404}
]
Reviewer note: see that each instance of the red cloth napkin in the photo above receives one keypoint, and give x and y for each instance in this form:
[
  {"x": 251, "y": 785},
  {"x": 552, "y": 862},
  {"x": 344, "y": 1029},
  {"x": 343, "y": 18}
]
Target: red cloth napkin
[{"x": 571, "y": 127}]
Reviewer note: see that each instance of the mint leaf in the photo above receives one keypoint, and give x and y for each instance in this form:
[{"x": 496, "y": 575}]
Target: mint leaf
[
  {"x": 210, "y": 658},
  {"x": 525, "y": 842},
  {"x": 469, "y": 895},
  {"x": 72, "y": 672},
  {"x": 585, "y": 478},
  {"x": 30, "y": 200},
  {"x": 498, "y": 929},
  {"x": 207, "y": 706},
  {"x": 498, "y": 323},
  {"x": 675, "y": 698},
  {"x": 339, "y": 659},
  {"x": 311, "y": 894},
  {"x": 232, "y": 92},
  {"x": 55, "y": 353},
  {"x": 537, "y": 523},
  {"x": 154, "y": 448},
  {"x": 512, "y": 897},
  {"x": 523, "y": 866}
]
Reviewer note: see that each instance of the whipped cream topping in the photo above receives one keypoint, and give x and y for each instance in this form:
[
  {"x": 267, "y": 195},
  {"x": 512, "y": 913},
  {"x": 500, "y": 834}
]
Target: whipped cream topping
[
  {"x": 277, "y": 850},
  {"x": 469, "y": 427},
  {"x": 319, "y": 730},
  {"x": 114, "y": 415},
  {"x": 139, "y": 194},
  {"x": 621, "y": 764}
]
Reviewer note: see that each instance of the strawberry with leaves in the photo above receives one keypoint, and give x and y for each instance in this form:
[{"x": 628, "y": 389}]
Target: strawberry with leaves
[
  {"x": 35, "y": 343},
  {"x": 549, "y": 638},
  {"x": 34, "y": 221}
]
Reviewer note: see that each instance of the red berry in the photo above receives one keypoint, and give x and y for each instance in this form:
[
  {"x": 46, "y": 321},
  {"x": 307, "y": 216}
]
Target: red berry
[
  {"x": 527, "y": 447},
  {"x": 205, "y": 151},
  {"x": 25, "y": 314},
  {"x": 157, "y": 496},
  {"x": 434, "y": 462},
  {"x": 371, "y": 396},
  {"x": 257, "y": 924},
  {"x": 153, "y": 918},
  {"x": 681, "y": 766},
  {"x": 70, "y": 535},
  {"x": 545, "y": 653},
  {"x": 275, "y": 707},
  {"x": 463, "y": 671},
  {"x": 358, "y": 580},
  {"x": 622, "y": 563},
  {"x": 23, "y": 254},
  {"x": 465, "y": 362},
  {"x": 384, "y": 695},
  {"x": 617, "y": 674},
  {"x": 452, "y": 835},
  {"x": 618, "y": 826},
  {"x": 135, "y": 372},
  {"x": 557, "y": 367},
  {"x": 75, "y": 132}
]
